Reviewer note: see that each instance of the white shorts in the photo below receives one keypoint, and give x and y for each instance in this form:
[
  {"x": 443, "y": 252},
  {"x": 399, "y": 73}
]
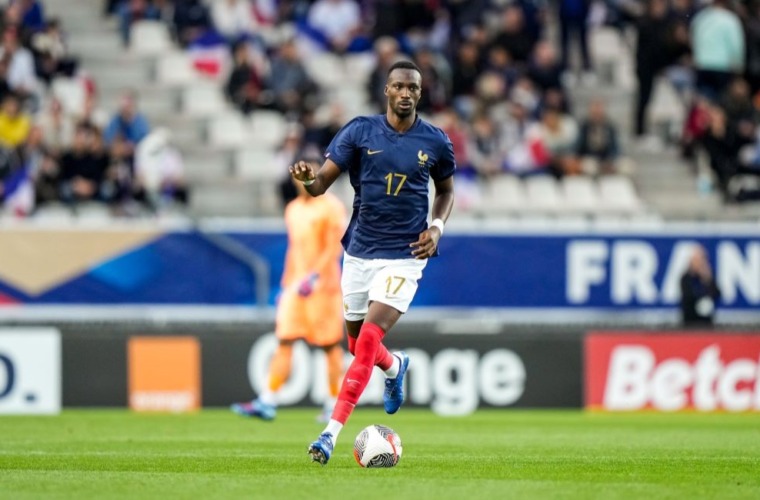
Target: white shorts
[{"x": 389, "y": 281}]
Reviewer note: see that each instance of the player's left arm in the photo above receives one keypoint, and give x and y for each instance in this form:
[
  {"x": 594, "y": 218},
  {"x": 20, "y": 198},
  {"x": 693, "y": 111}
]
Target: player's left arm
[{"x": 443, "y": 201}]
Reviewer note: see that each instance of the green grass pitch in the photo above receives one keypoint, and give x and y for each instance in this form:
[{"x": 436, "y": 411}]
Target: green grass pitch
[{"x": 491, "y": 454}]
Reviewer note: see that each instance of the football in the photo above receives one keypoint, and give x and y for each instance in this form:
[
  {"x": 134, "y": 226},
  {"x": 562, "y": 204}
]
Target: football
[{"x": 377, "y": 446}]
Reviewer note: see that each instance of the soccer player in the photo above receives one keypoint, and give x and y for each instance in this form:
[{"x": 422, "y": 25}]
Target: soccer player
[
  {"x": 389, "y": 158},
  {"x": 310, "y": 305}
]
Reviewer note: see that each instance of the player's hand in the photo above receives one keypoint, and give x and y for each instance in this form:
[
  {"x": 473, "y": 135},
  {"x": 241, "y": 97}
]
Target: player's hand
[
  {"x": 307, "y": 285},
  {"x": 302, "y": 171},
  {"x": 427, "y": 243}
]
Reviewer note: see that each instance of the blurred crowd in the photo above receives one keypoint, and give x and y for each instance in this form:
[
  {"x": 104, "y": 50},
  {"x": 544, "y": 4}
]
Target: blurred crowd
[
  {"x": 498, "y": 77},
  {"x": 62, "y": 148},
  {"x": 491, "y": 78}
]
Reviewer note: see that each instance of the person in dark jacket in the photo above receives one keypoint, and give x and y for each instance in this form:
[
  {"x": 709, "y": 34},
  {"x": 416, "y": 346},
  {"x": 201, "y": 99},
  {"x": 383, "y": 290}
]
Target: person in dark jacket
[{"x": 699, "y": 292}]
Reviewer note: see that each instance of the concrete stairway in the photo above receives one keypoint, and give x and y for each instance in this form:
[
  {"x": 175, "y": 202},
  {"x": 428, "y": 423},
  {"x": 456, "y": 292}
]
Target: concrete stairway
[{"x": 96, "y": 41}]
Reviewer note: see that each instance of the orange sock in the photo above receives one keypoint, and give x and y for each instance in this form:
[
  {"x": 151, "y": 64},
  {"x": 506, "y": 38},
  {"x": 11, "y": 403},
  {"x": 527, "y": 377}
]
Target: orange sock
[
  {"x": 279, "y": 367},
  {"x": 334, "y": 369}
]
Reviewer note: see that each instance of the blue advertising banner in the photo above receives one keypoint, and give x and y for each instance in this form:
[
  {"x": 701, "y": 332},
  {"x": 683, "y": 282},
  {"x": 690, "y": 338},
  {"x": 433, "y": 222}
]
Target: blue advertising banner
[{"x": 575, "y": 271}]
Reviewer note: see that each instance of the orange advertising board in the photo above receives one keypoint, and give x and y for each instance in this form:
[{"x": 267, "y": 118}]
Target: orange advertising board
[{"x": 164, "y": 374}]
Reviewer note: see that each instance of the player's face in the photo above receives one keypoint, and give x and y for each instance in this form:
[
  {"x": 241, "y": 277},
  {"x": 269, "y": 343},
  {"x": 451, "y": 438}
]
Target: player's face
[{"x": 403, "y": 89}]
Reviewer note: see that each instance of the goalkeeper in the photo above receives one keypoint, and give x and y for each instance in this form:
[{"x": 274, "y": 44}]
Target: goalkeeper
[{"x": 310, "y": 307}]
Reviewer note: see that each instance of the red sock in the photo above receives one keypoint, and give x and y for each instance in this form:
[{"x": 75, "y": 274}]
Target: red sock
[
  {"x": 384, "y": 358},
  {"x": 358, "y": 374}
]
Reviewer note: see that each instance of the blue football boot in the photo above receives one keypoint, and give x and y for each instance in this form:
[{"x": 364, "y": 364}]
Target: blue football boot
[
  {"x": 256, "y": 409},
  {"x": 321, "y": 449},
  {"x": 393, "y": 396}
]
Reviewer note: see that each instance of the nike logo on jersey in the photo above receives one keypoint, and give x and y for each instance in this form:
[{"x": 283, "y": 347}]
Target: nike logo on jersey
[{"x": 370, "y": 152}]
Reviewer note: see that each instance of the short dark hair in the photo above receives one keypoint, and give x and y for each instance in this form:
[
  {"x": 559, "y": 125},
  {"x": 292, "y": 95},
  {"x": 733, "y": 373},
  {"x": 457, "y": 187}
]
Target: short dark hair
[{"x": 404, "y": 65}]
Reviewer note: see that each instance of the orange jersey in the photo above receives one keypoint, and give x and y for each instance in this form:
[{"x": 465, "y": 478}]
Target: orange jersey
[{"x": 315, "y": 226}]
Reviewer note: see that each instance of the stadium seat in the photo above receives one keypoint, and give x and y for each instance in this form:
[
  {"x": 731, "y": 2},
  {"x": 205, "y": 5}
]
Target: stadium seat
[
  {"x": 607, "y": 51},
  {"x": 267, "y": 128},
  {"x": 667, "y": 111},
  {"x": 361, "y": 65},
  {"x": 150, "y": 38},
  {"x": 326, "y": 69},
  {"x": 203, "y": 100},
  {"x": 71, "y": 93},
  {"x": 176, "y": 69},
  {"x": 618, "y": 195},
  {"x": 503, "y": 194},
  {"x": 258, "y": 164},
  {"x": 543, "y": 194},
  {"x": 580, "y": 194},
  {"x": 228, "y": 130}
]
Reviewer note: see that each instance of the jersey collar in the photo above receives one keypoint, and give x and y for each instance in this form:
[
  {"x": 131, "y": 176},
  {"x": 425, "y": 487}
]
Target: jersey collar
[{"x": 390, "y": 127}]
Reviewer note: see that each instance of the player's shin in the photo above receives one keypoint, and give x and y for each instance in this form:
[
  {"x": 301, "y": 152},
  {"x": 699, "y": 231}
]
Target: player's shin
[
  {"x": 279, "y": 372},
  {"x": 358, "y": 374}
]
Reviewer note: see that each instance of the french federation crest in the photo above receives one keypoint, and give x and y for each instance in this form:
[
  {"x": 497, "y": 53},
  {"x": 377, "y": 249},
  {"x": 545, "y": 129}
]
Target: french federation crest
[{"x": 422, "y": 157}]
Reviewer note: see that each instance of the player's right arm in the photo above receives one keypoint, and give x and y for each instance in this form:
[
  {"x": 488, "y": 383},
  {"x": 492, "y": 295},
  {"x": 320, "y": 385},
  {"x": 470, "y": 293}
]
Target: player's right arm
[{"x": 315, "y": 181}]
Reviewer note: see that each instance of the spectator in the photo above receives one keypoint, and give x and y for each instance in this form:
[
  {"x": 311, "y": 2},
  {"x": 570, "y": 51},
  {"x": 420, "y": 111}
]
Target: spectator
[
  {"x": 47, "y": 181},
  {"x": 233, "y": 18},
  {"x": 118, "y": 184},
  {"x": 484, "y": 148},
  {"x": 131, "y": 11},
  {"x": 291, "y": 85},
  {"x": 82, "y": 172},
  {"x": 514, "y": 36},
  {"x": 191, "y": 18},
  {"x": 127, "y": 122},
  {"x": 466, "y": 67},
  {"x": 717, "y": 38},
  {"x": 598, "y": 146},
  {"x": 14, "y": 124},
  {"x": 544, "y": 69},
  {"x": 21, "y": 76},
  {"x": 573, "y": 20},
  {"x": 651, "y": 58},
  {"x": 57, "y": 127},
  {"x": 159, "y": 171},
  {"x": 436, "y": 80},
  {"x": 244, "y": 87},
  {"x": 699, "y": 292},
  {"x": 32, "y": 15},
  {"x": 335, "y": 25},
  {"x": 386, "y": 53},
  {"x": 557, "y": 136},
  {"x": 52, "y": 57},
  {"x": 722, "y": 146}
]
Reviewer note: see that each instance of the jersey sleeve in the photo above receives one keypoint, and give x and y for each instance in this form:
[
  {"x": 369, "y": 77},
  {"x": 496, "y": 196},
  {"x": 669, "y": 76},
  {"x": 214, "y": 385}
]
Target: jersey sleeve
[
  {"x": 343, "y": 146},
  {"x": 446, "y": 164}
]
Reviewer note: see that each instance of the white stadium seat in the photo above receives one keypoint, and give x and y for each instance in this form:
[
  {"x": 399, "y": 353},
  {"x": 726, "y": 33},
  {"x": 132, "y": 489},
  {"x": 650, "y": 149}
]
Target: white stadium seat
[
  {"x": 543, "y": 194},
  {"x": 267, "y": 128},
  {"x": 71, "y": 93},
  {"x": 326, "y": 69},
  {"x": 503, "y": 194},
  {"x": 150, "y": 38},
  {"x": 258, "y": 164},
  {"x": 617, "y": 194},
  {"x": 176, "y": 69},
  {"x": 580, "y": 194},
  {"x": 203, "y": 100},
  {"x": 228, "y": 130}
]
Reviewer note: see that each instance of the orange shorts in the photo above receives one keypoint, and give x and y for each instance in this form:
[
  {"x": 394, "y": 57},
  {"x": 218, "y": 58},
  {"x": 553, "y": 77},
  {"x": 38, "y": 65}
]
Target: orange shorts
[{"x": 317, "y": 319}]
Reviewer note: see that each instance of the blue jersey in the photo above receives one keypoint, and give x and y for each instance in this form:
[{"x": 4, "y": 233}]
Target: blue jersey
[{"x": 389, "y": 172}]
